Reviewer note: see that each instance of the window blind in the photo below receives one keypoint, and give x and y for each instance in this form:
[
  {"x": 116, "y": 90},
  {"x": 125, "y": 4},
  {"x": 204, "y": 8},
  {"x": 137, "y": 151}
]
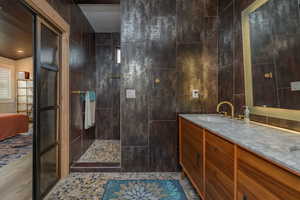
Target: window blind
[{"x": 5, "y": 81}]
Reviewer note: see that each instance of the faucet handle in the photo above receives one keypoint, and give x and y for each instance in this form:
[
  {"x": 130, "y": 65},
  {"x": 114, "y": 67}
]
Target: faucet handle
[
  {"x": 223, "y": 113},
  {"x": 240, "y": 117}
]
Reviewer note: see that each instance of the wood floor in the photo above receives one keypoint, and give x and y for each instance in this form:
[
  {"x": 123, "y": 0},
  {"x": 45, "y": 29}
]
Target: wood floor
[{"x": 16, "y": 180}]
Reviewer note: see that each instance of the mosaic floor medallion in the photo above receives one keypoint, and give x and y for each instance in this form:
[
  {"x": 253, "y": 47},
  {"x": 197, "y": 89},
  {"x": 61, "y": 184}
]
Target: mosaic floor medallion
[
  {"x": 94, "y": 186},
  {"x": 144, "y": 190}
]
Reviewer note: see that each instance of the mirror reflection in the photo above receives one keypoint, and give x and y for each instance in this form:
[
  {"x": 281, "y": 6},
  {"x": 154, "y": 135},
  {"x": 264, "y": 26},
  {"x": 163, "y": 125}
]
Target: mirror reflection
[{"x": 275, "y": 47}]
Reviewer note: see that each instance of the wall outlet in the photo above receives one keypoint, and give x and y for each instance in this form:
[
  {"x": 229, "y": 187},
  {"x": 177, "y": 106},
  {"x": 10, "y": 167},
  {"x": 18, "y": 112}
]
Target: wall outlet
[
  {"x": 130, "y": 94},
  {"x": 195, "y": 94},
  {"x": 295, "y": 86}
]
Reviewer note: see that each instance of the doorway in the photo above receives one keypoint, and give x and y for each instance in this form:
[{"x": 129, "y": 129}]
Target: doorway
[
  {"x": 39, "y": 111},
  {"x": 16, "y": 100},
  {"x": 51, "y": 116},
  {"x": 29, "y": 107},
  {"x": 104, "y": 154}
]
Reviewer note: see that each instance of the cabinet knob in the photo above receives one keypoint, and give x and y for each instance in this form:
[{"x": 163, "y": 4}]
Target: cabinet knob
[{"x": 215, "y": 149}]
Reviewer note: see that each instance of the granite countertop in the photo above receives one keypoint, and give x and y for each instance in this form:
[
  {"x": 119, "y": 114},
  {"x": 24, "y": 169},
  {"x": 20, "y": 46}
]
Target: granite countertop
[{"x": 279, "y": 146}]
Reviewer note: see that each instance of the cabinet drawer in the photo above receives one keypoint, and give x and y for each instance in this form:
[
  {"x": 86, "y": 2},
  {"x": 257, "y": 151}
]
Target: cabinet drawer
[
  {"x": 219, "y": 168},
  {"x": 258, "y": 179}
]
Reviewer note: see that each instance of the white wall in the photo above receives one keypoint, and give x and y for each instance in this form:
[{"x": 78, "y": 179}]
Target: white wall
[
  {"x": 24, "y": 65},
  {"x": 21, "y": 65},
  {"x": 9, "y": 106}
]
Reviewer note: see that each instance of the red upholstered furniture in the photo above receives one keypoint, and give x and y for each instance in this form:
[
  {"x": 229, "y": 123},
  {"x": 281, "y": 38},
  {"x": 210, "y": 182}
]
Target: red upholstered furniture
[{"x": 12, "y": 124}]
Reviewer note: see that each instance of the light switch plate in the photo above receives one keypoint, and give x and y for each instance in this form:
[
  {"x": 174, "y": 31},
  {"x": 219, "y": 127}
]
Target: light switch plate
[
  {"x": 295, "y": 86},
  {"x": 195, "y": 94},
  {"x": 130, "y": 94}
]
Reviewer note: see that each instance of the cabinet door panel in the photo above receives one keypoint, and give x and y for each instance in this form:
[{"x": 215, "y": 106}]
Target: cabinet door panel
[
  {"x": 258, "y": 179},
  {"x": 192, "y": 156},
  {"x": 219, "y": 168},
  {"x": 192, "y": 131}
]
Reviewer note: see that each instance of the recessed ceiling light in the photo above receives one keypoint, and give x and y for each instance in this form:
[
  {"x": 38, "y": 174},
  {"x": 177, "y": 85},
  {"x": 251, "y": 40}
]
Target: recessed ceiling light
[{"x": 20, "y": 51}]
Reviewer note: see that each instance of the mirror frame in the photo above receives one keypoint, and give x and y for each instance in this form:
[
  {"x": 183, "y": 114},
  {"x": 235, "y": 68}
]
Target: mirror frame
[{"x": 281, "y": 113}]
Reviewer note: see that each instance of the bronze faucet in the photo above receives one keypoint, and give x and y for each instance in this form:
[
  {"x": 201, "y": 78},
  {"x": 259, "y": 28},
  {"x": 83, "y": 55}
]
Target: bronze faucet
[{"x": 231, "y": 106}]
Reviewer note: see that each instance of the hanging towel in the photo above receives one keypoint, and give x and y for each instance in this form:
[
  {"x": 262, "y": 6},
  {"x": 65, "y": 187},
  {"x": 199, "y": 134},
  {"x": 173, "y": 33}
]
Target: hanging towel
[
  {"x": 90, "y": 109},
  {"x": 87, "y": 113},
  {"x": 93, "y": 107}
]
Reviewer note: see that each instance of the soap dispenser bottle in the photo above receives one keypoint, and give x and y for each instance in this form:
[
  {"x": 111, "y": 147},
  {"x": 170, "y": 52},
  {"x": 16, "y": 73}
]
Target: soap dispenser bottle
[{"x": 247, "y": 114}]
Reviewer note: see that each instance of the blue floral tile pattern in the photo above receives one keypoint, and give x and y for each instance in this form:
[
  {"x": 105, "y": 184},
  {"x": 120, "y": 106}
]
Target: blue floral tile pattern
[{"x": 144, "y": 190}]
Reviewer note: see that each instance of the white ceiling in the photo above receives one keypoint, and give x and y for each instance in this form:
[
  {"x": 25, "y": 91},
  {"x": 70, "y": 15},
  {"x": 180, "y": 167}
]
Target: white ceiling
[{"x": 104, "y": 18}]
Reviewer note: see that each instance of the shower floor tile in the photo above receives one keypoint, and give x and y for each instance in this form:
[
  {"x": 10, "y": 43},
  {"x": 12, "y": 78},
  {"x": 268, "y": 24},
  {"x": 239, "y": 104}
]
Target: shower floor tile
[
  {"x": 91, "y": 186},
  {"x": 102, "y": 151}
]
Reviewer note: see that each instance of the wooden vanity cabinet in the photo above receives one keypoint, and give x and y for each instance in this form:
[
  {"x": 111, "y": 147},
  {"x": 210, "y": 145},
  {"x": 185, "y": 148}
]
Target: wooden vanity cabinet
[
  {"x": 258, "y": 179},
  {"x": 192, "y": 153},
  {"x": 219, "y": 168}
]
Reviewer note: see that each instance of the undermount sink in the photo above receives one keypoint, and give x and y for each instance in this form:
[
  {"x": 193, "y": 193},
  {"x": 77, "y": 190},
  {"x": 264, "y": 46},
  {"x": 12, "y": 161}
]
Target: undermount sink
[{"x": 211, "y": 119}]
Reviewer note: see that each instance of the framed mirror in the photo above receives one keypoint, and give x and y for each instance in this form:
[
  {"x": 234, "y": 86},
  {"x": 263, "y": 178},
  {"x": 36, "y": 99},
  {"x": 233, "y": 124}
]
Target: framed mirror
[{"x": 271, "y": 44}]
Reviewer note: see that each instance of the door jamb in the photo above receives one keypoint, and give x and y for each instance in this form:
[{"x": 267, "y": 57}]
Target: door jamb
[{"x": 45, "y": 10}]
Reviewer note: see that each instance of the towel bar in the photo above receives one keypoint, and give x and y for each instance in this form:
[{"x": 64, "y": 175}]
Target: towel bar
[{"x": 79, "y": 92}]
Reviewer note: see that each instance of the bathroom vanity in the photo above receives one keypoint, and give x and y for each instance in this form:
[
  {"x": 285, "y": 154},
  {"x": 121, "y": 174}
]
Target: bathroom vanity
[{"x": 228, "y": 159}]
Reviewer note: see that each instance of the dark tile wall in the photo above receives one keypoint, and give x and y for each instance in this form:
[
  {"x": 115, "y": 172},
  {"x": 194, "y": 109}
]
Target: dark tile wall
[
  {"x": 108, "y": 86},
  {"x": 231, "y": 66},
  {"x": 169, "y": 48},
  {"x": 82, "y": 74}
]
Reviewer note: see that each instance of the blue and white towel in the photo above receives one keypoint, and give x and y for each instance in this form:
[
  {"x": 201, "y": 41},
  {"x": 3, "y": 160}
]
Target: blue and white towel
[{"x": 90, "y": 109}]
